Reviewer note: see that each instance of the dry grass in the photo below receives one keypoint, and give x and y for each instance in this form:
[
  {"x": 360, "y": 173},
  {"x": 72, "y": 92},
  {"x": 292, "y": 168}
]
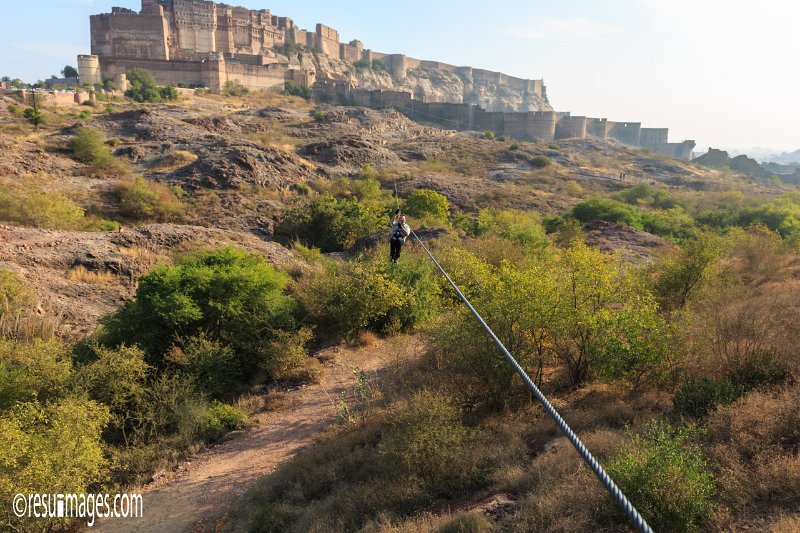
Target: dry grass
[
  {"x": 30, "y": 325},
  {"x": 755, "y": 442},
  {"x": 251, "y": 404},
  {"x": 81, "y": 275},
  {"x": 366, "y": 338},
  {"x": 465, "y": 522},
  {"x": 145, "y": 257},
  {"x": 562, "y": 493},
  {"x": 786, "y": 524}
]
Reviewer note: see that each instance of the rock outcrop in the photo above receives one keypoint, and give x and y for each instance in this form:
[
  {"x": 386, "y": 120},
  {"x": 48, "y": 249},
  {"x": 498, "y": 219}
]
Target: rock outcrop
[
  {"x": 427, "y": 84},
  {"x": 741, "y": 163}
]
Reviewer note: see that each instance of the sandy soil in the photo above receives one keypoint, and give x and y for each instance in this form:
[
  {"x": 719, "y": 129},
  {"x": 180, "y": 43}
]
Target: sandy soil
[{"x": 196, "y": 495}]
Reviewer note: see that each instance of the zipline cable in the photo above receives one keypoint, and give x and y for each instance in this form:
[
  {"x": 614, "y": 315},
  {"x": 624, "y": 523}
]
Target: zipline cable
[{"x": 605, "y": 479}]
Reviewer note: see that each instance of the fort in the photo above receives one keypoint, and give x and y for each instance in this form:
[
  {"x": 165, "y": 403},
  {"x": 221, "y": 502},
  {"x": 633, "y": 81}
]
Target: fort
[{"x": 199, "y": 43}]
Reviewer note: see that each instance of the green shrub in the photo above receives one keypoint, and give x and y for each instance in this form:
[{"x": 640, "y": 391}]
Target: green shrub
[
  {"x": 540, "y": 161},
  {"x": 644, "y": 194},
  {"x": 35, "y": 116},
  {"x": 293, "y": 89},
  {"x": 521, "y": 227},
  {"x": 50, "y": 449},
  {"x": 580, "y": 307},
  {"x": 488, "y": 135},
  {"x": 211, "y": 364},
  {"x": 425, "y": 439},
  {"x": 371, "y": 293},
  {"x": 678, "y": 278},
  {"x": 168, "y": 92},
  {"x": 666, "y": 477},
  {"x": 88, "y": 146},
  {"x": 329, "y": 224},
  {"x": 117, "y": 378},
  {"x": 320, "y": 116},
  {"x": 32, "y": 372},
  {"x": 220, "y": 419},
  {"x": 234, "y": 88},
  {"x": 40, "y": 209},
  {"x": 288, "y": 360},
  {"x": 427, "y": 204},
  {"x": 145, "y": 89},
  {"x": 697, "y": 397},
  {"x": 670, "y": 223},
  {"x": 14, "y": 295},
  {"x": 609, "y": 211},
  {"x": 229, "y": 295},
  {"x": 139, "y": 199},
  {"x": 14, "y": 109}
]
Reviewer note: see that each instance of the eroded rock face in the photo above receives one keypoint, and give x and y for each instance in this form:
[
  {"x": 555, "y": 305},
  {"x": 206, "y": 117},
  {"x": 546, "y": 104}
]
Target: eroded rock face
[
  {"x": 635, "y": 245},
  {"x": 347, "y": 154},
  {"x": 231, "y": 167},
  {"x": 429, "y": 85}
]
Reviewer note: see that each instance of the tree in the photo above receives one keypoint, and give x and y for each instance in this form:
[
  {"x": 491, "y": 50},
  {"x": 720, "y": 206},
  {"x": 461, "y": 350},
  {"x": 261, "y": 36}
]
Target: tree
[
  {"x": 425, "y": 203},
  {"x": 678, "y": 278},
  {"x": 329, "y": 224},
  {"x": 69, "y": 72},
  {"x": 145, "y": 89},
  {"x": 35, "y": 116},
  {"x": 227, "y": 294}
]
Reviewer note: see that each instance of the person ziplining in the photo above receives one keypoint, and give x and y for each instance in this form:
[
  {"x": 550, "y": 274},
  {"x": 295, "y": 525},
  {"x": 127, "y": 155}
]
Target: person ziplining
[{"x": 400, "y": 232}]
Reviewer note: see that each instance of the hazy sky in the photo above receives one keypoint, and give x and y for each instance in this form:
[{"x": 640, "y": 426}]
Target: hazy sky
[{"x": 722, "y": 72}]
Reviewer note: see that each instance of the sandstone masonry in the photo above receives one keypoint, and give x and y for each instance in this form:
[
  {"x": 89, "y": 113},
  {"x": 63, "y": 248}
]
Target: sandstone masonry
[{"x": 199, "y": 43}]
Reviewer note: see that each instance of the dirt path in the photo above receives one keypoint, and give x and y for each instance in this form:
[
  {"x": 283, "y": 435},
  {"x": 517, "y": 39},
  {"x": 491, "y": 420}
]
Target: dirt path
[{"x": 204, "y": 486}]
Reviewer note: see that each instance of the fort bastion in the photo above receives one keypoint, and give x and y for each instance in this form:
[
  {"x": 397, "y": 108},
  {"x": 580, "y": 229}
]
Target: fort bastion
[{"x": 199, "y": 43}]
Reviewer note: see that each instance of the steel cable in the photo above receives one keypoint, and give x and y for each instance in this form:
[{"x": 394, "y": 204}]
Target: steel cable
[{"x": 605, "y": 479}]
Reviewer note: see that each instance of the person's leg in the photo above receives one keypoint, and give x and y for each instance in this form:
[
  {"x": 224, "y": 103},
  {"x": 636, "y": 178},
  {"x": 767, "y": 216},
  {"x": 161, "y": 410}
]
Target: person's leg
[
  {"x": 394, "y": 249},
  {"x": 399, "y": 249}
]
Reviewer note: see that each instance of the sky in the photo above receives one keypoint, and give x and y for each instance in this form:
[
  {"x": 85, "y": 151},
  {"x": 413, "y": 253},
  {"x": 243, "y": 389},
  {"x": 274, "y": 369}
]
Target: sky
[{"x": 721, "y": 72}]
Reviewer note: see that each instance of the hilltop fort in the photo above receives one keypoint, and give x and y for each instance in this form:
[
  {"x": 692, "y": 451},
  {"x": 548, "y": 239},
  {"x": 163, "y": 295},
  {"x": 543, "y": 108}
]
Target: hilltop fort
[{"x": 199, "y": 43}]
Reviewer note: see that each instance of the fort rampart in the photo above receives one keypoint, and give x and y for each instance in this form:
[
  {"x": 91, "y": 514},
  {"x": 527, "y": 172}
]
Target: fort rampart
[{"x": 532, "y": 125}]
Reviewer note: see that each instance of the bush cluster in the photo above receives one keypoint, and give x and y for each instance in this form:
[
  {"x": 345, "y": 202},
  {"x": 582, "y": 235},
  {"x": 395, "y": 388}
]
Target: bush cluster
[
  {"x": 139, "y": 199},
  {"x": 303, "y": 91},
  {"x": 666, "y": 476},
  {"x": 330, "y": 224},
  {"x": 234, "y": 88},
  {"x": 89, "y": 147},
  {"x": 145, "y": 89}
]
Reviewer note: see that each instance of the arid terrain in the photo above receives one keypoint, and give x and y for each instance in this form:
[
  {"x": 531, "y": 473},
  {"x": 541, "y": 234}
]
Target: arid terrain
[{"x": 209, "y": 277}]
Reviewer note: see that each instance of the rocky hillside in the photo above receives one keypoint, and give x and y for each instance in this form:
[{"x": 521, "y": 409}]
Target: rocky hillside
[{"x": 427, "y": 84}]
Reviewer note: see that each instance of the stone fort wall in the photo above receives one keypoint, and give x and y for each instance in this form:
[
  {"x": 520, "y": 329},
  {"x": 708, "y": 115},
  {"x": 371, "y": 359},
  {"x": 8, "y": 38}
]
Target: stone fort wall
[
  {"x": 194, "y": 30},
  {"x": 534, "y": 125}
]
